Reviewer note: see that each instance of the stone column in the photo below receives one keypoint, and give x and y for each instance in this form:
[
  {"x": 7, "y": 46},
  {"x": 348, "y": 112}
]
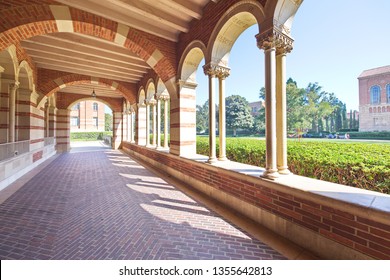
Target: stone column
[
  {"x": 153, "y": 103},
  {"x": 283, "y": 48},
  {"x": 267, "y": 41},
  {"x": 159, "y": 123},
  {"x": 147, "y": 123},
  {"x": 128, "y": 132},
  {"x": 133, "y": 117},
  {"x": 222, "y": 74},
  {"x": 12, "y": 111},
  {"x": 209, "y": 70},
  {"x": 166, "y": 114}
]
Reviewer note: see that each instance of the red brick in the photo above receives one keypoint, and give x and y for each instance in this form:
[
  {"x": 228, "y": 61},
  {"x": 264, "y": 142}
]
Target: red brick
[
  {"x": 339, "y": 226},
  {"x": 338, "y": 212},
  {"x": 337, "y": 238},
  {"x": 382, "y": 226},
  {"x": 371, "y": 252}
]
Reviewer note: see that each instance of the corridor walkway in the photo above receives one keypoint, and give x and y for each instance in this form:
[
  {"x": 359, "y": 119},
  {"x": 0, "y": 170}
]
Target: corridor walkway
[{"x": 101, "y": 204}]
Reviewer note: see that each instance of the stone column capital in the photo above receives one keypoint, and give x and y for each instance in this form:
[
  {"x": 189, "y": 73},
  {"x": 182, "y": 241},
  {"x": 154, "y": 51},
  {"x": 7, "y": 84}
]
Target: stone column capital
[
  {"x": 14, "y": 86},
  {"x": 215, "y": 70},
  {"x": 275, "y": 38}
]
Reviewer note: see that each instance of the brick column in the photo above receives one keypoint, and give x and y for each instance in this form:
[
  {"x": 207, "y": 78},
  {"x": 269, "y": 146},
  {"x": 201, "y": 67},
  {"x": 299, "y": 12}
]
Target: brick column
[
  {"x": 183, "y": 121},
  {"x": 117, "y": 130},
  {"x": 12, "y": 111},
  {"x": 63, "y": 130},
  {"x": 52, "y": 120},
  {"x": 141, "y": 125},
  {"x": 4, "y": 95}
]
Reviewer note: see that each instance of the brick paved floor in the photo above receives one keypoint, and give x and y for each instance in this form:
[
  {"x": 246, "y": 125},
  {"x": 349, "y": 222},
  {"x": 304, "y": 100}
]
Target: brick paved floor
[{"x": 104, "y": 205}]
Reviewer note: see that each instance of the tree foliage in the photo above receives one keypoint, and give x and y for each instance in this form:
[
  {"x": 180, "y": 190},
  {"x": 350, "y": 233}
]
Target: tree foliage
[
  {"x": 238, "y": 113},
  {"x": 312, "y": 109},
  {"x": 108, "y": 121}
]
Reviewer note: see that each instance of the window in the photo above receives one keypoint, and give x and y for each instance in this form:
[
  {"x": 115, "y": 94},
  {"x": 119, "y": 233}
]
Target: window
[
  {"x": 388, "y": 93},
  {"x": 95, "y": 106},
  {"x": 76, "y": 107},
  {"x": 74, "y": 121},
  {"x": 375, "y": 93},
  {"x": 95, "y": 121}
]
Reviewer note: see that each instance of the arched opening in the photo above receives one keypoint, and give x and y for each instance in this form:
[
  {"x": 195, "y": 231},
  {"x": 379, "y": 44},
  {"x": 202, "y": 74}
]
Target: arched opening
[
  {"x": 193, "y": 84},
  {"x": 150, "y": 102},
  {"x": 91, "y": 122},
  {"x": 141, "y": 118},
  {"x": 163, "y": 115},
  {"x": 7, "y": 81},
  {"x": 219, "y": 67},
  {"x": 23, "y": 107}
]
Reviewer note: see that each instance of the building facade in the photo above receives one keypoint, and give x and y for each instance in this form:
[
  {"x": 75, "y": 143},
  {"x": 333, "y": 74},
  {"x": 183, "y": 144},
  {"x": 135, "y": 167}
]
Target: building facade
[
  {"x": 88, "y": 116},
  {"x": 374, "y": 99}
]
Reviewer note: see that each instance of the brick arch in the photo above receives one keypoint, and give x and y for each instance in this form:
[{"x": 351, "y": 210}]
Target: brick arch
[
  {"x": 55, "y": 85},
  {"x": 66, "y": 101},
  {"x": 24, "y": 22}
]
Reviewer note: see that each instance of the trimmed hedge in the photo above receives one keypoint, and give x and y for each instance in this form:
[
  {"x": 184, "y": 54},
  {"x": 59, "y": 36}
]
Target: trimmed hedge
[
  {"x": 361, "y": 165},
  {"x": 89, "y": 136},
  {"x": 380, "y": 135}
]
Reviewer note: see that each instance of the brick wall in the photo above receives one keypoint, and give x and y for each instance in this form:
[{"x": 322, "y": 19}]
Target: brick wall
[{"x": 367, "y": 235}]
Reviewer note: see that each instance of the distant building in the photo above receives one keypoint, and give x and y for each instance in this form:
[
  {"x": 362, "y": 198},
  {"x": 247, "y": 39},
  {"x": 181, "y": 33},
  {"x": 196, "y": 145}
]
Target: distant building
[
  {"x": 87, "y": 116},
  {"x": 374, "y": 99},
  {"x": 255, "y": 107}
]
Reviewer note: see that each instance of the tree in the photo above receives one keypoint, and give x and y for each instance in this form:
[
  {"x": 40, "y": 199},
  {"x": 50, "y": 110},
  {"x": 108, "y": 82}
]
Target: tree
[
  {"x": 202, "y": 117},
  {"x": 238, "y": 113},
  {"x": 108, "y": 122}
]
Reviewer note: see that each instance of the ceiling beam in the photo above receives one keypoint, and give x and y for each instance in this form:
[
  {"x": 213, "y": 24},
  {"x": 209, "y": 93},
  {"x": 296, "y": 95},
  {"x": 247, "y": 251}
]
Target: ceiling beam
[
  {"x": 148, "y": 12},
  {"x": 93, "y": 63},
  {"x": 121, "y": 17},
  {"x": 45, "y": 43},
  {"x": 70, "y": 69}
]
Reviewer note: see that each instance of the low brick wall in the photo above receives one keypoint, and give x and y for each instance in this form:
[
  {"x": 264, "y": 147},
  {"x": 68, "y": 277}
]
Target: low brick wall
[{"x": 330, "y": 228}]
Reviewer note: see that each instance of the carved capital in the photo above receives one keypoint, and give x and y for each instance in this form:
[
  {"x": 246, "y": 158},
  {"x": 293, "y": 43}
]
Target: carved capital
[
  {"x": 164, "y": 97},
  {"x": 216, "y": 70},
  {"x": 275, "y": 38},
  {"x": 14, "y": 86}
]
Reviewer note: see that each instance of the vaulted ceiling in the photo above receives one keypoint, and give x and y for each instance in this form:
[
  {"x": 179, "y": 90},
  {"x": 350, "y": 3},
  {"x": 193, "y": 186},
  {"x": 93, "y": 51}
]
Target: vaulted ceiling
[{"x": 80, "y": 54}]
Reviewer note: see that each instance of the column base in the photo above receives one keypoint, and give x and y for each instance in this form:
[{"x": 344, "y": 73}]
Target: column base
[
  {"x": 270, "y": 174},
  {"x": 224, "y": 158},
  {"x": 159, "y": 148},
  {"x": 212, "y": 160},
  {"x": 284, "y": 170}
]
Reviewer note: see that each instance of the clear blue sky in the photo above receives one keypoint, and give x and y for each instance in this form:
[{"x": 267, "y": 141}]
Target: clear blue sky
[{"x": 335, "y": 40}]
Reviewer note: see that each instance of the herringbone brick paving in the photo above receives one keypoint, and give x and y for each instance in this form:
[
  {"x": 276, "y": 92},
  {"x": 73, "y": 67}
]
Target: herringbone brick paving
[{"x": 104, "y": 205}]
